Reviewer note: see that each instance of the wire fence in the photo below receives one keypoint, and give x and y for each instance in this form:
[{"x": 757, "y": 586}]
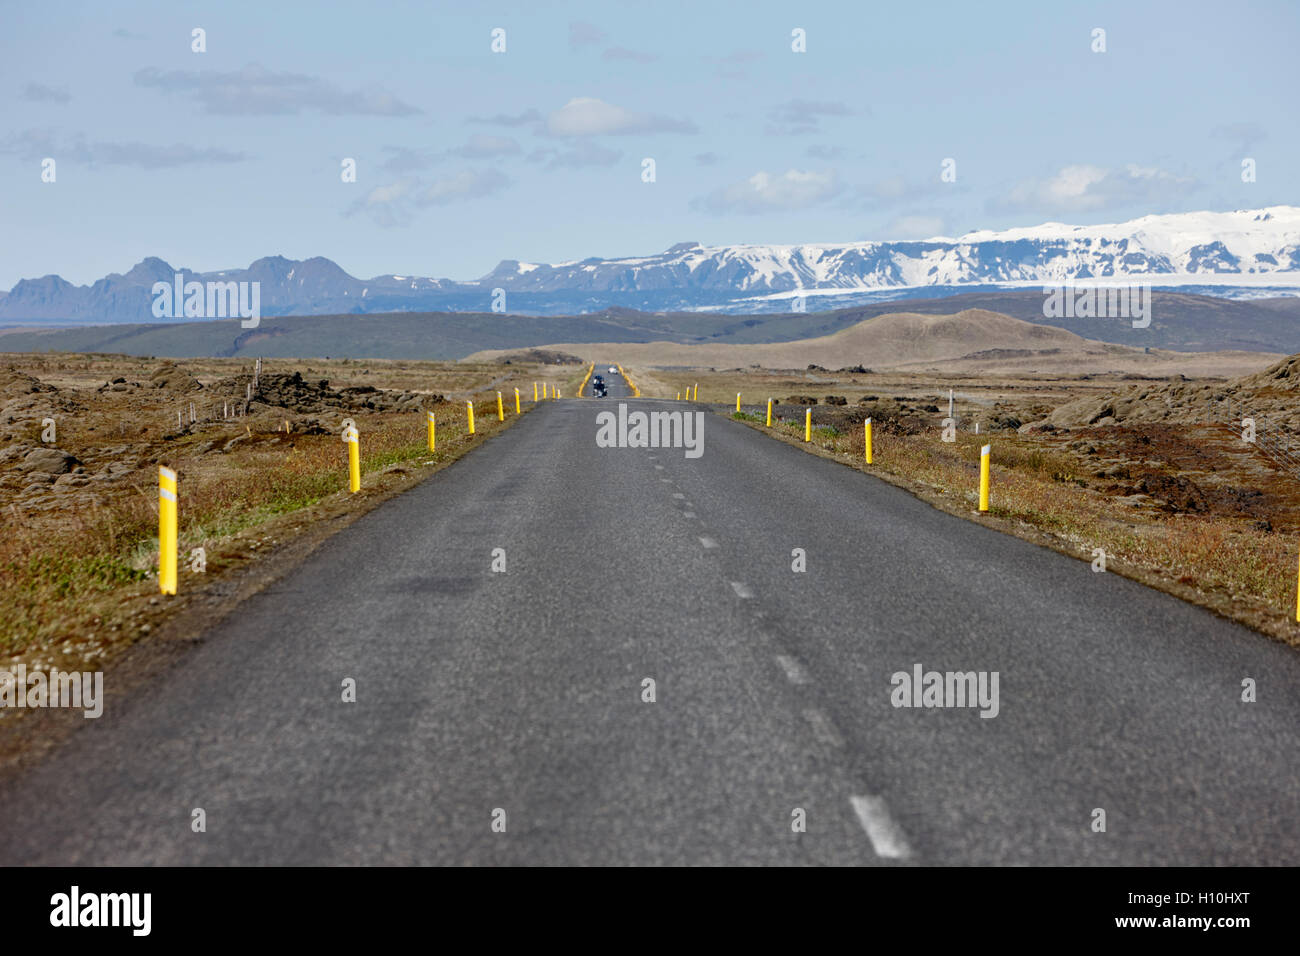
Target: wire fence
[{"x": 1276, "y": 442}]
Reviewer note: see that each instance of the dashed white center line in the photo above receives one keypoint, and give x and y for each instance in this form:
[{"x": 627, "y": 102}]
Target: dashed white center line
[
  {"x": 794, "y": 671},
  {"x": 659, "y": 467},
  {"x": 822, "y": 728},
  {"x": 688, "y": 514},
  {"x": 667, "y": 481},
  {"x": 678, "y": 494},
  {"x": 708, "y": 543},
  {"x": 886, "y": 836},
  {"x": 742, "y": 590}
]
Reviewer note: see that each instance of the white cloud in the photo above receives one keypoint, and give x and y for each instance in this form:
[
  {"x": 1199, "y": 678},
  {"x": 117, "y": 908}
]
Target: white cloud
[
  {"x": 765, "y": 192},
  {"x": 257, "y": 91},
  {"x": 403, "y": 159},
  {"x": 393, "y": 204},
  {"x": 504, "y": 119},
  {"x": 797, "y": 117},
  {"x": 583, "y": 153},
  {"x": 588, "y": 116},
  {"x": 37, "y": 143},
  {"x": 583, "y": 34},
  {"x": 469, "y": 184},
  {"x": 386, "y": 205},
  {"x": 389, "y": 193},
  {"x": 40, "y": 93},
  {"x": 483, "y": 146},
  {"x": 1082, "y": 187}
]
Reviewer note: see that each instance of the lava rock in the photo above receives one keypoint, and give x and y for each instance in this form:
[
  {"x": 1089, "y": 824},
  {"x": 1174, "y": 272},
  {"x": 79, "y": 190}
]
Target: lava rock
[{"x": 47, "y": 461}]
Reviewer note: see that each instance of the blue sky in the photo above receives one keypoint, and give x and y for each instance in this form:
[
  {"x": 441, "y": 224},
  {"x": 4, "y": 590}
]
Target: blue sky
[{"x": 466, "y": 157}]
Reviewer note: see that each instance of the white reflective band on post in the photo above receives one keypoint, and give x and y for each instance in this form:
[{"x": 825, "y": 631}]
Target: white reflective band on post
[
  {"x": 985, "y": 449},
  {"x": 164, "y": 493},
  {"x": 167, "y": 473}
]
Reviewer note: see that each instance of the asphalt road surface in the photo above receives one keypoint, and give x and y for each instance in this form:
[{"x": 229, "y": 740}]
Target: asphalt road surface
[{"x": 518, "y": 696}]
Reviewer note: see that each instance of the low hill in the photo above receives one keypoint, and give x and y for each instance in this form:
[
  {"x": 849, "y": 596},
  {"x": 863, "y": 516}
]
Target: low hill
[{"x": 973, "y": 341}]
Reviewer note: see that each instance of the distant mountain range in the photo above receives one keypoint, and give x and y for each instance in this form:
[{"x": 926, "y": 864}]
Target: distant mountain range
[{"x": 1243, "y": 254}]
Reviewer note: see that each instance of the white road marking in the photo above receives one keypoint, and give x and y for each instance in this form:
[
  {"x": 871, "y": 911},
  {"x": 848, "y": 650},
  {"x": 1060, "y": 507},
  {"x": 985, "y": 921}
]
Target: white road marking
[
  {"x": 708, "y": 543},
  {"x": 822, "y": 728},
  {"x": 742, "y": 590},
  {"x": 886, "y": 836},
  {"x": 794, "y": 671},
  {"x": 688, "y": 514},
  {"x": 667, "y": 481},
  {"x": 678, "y": 494},
  {"x": 659, "y": 467}
]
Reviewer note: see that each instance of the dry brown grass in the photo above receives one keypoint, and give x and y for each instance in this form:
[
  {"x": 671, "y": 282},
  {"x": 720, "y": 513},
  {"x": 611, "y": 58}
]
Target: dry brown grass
[{"x": 79, "y": 579}]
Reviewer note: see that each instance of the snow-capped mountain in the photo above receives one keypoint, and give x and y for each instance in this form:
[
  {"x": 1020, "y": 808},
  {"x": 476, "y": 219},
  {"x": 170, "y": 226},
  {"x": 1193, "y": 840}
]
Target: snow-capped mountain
[
  {"x": 1247, "y": 252},
  {"x": 1248, "y": 247}
]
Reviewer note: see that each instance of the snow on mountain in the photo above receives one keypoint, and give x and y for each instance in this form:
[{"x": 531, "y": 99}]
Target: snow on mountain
[
  {"x": 1244, "y": 247},
  {"x": 1222, "y": 253}
]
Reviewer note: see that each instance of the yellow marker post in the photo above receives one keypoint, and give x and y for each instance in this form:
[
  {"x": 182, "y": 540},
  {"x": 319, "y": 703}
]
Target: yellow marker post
[
  {"x": 534, "y": 391},
  {"x": 866, "y": 436},
  {"x": 737, "y": 401},
  {"x": 769, "y": 413},
  {"x": 166, "y": 530},
  {"x": 697, "y": 391},
  {"x": 353, "y": 439},
  {"x": 501, "y": 411},
  {"x": 518, "y": 409},
  {"x": 636, "y": 392},
  {"x": 433, "y": 433},
  {"x": 679, "y": 396},
  {"x": 470, "y": 409},
  {"x": 1297, "y": 598},
  {"x": 807, "y": 425},
  {"x": 984, "y": 478}
]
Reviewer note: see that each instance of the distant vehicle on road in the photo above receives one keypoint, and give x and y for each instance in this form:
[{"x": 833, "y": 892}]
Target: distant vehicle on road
[
  {"x": 598, "y": 389},
  {"x": 613, "y": 370}
]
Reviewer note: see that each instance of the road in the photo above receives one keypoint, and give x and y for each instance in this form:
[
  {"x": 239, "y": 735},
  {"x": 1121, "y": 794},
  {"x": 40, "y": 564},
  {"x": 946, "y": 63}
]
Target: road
[{"x": 522, "y": 690}]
